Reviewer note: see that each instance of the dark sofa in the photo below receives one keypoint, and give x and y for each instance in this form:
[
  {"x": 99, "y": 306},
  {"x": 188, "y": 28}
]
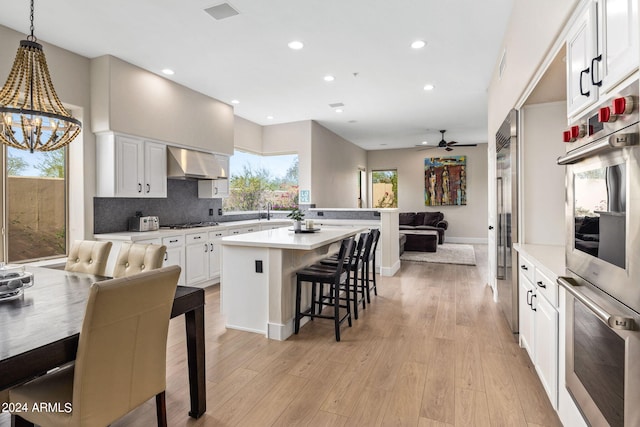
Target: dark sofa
[{"x": 424, "y": 221}]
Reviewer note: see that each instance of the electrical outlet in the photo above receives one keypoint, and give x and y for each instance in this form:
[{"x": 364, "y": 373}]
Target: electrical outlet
[
  {"x": 258, "y": 266},
  {"x": 219, "y": 211},
  {"x": 320, "y": 213},
  {"x": 210, "y": 212}
]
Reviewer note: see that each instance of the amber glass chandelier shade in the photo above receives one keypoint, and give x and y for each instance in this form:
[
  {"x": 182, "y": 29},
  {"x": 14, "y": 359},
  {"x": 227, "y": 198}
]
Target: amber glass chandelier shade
[{"x": 33, "y": 118}]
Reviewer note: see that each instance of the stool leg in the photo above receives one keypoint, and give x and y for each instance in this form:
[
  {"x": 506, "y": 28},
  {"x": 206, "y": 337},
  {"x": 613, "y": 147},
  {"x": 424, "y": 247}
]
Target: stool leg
[
  {"x": 313, "y": 299},
  {"x": 336, "y": 307},
  {"x": 296, "y": 320},
  {"x": 355, "y": 291}
]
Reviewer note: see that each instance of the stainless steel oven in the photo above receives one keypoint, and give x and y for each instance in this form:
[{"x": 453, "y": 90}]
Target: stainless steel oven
[{"x": 603, "y": 262}]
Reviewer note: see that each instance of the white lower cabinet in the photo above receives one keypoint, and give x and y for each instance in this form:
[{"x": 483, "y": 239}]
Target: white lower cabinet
[
  {"x": 214, "y": 253},
  {"x": 538, "y": 312},
  {"x": 175, "y": 254},
  {"x": 197, "y": 257}
]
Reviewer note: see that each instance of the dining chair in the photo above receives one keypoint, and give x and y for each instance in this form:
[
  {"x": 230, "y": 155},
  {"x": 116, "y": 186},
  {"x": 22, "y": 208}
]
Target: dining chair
[
  {"x": 135, "y": 258},
  {"x": 121, "y": 358},
  {"x": 88, "y": 256}
]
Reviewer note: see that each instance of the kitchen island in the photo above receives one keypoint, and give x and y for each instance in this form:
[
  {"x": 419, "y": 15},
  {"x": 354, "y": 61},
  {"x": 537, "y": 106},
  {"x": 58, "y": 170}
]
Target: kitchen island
[{"x": 259, "y": 271}]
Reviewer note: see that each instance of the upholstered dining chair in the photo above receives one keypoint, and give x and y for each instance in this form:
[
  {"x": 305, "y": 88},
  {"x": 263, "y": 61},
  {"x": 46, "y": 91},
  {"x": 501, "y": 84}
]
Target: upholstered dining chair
[
  {"x": 121, "y": 359},
  {"x": 88, "y": 256},
  {"x": 135, "y": 258}
]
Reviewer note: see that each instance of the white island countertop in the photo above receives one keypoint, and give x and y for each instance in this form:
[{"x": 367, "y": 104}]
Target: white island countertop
[{"x": 285, "y": 238}]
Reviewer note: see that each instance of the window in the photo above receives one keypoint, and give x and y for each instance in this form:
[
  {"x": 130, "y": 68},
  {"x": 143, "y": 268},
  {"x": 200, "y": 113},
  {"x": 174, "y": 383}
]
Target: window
[
  {"x": 35, "y": 204},
  {"x": 384, "y": 188},
  {"x": 257, "y": 180}
]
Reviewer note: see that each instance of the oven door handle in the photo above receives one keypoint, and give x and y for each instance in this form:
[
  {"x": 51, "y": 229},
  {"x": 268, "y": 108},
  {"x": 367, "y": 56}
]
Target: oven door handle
[{"x": 614, "y": 321}]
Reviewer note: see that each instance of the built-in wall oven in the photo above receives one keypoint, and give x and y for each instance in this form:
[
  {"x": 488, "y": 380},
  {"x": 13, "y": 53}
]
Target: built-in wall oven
[{"x": 603, "y": 262}]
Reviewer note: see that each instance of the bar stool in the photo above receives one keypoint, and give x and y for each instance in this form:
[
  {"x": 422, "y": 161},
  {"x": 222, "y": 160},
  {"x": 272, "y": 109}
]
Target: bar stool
[
  {"x": 318, "y": 274},
  {"x": 356, "y": 267},
  {"x": 370, "y": 264}
]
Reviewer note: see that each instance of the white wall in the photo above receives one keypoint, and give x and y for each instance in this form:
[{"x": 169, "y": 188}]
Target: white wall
[
  {"x": 335, "y": 169},
  {"x": 466, "y": 223},
  {"x": 542, "y": 213},
  {"x": 247, "y": 135},
  {"x": 128, "y": 99}
]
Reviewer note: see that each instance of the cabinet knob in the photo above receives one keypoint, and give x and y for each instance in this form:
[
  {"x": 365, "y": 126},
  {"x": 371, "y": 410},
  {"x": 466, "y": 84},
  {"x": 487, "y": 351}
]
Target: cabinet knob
[
  {"x": 524, "y": 267},
  {"x": 166, "y": 256},
  {"x": 491, "y": 227},
  {"x": 542, "y": 285}
]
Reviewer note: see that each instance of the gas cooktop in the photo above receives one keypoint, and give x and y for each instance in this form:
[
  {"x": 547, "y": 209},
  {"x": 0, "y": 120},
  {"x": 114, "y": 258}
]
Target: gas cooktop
[{"x": 189, "y": 225}]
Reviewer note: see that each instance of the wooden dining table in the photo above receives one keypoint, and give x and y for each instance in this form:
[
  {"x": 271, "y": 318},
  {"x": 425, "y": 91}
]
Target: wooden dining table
[{"x": 40, "y": 330}]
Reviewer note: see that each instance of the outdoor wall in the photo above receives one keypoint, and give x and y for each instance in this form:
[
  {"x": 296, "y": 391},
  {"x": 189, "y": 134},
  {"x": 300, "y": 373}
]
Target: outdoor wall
[
  {"x": 335, "y": 169},
  {"x": 70, "y": 74},
  {"x": 467, "y": 223},
  {"x": 38, "y": 221}
]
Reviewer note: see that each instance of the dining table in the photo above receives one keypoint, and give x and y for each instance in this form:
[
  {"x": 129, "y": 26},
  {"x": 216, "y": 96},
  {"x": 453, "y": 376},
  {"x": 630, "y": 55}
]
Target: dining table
[{"x": 40, "y": 330}]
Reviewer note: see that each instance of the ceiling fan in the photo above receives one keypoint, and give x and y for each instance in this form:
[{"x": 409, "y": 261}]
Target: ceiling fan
[{"x": 444, "y": 144}]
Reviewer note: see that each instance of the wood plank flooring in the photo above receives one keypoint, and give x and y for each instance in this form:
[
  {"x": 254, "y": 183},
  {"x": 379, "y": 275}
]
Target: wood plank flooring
[{"x": 431, "y": 350}]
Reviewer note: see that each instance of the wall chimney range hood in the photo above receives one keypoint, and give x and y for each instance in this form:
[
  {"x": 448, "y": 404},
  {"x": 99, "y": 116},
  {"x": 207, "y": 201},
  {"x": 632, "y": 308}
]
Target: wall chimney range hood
[{"x": 191, "y": 164}]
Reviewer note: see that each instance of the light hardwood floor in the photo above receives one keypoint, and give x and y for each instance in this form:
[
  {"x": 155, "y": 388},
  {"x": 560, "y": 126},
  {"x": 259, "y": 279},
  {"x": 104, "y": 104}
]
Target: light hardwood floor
[{"x": 432, "y": 349}]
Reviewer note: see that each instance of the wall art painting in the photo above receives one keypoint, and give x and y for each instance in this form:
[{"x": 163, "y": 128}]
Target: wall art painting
[{"x": 445, "y": 181}]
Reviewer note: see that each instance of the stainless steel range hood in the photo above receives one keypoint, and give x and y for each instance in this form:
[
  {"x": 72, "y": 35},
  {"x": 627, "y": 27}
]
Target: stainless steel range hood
[{"x": 191, "y": 164}]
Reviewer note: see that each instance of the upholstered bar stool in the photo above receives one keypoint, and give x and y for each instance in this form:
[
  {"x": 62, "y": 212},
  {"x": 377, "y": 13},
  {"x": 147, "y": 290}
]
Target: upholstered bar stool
[
  {"x": 355, "y": 266},
  {"x": 333, "y": 276},
  {"x": 88, "y": 256},
  {"x": 135, "y": 258}
]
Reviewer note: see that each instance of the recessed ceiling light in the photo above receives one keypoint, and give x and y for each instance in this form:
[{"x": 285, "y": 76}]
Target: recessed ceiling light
[
  {"x": 418, "y": 44},
  {"x": 296, "y": 45},
  {"x": 235, "y": 101},
  {"x": 269, "y": 117},
  {"x": 424, "y": 142},
  {"x": 339, "y": 110},
  {"x": 329, "y": 78},
  {"x": 168, "y": 72},
  {"x": 429, "y": 87}
]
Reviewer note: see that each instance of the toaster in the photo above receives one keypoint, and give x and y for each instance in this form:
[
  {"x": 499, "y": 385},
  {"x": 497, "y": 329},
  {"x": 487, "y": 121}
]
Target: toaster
[{"x": 144, "y": 223}]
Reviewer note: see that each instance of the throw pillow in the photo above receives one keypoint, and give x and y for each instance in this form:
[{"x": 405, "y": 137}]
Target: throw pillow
[
  {"x": 406, "y": 218},
  {"x": 432, "y": 218}
]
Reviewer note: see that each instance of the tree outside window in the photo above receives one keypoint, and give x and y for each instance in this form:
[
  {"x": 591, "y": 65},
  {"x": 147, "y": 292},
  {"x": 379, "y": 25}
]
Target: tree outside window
[
  {"x": 385, "y": 188},
  {"x": 258, "y": 180}
]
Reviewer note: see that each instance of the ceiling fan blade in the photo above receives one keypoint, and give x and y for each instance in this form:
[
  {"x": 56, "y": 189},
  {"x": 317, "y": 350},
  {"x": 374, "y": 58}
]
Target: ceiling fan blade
[
  {"x": 450, "y": 143},
  {"x": 425, "y": 147},
  {"x": 449, "y": 149},
  {"x": 467, "y": 145}
]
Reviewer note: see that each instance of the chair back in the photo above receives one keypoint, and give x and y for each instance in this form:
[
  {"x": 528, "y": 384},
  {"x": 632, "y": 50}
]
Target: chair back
[
  {"x": 374, "y": 244},
  {"x": 88, "y": 256},
  {"x": 360, "y": 247},
  {"x": 346, "y": 254},
  {"x": 135, "y": 258},
  {"x": 121, "y": 359}
]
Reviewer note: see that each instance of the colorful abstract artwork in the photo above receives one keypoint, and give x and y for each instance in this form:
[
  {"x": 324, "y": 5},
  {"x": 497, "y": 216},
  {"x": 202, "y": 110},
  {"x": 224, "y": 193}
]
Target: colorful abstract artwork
[{"x": 445, "y": 181}]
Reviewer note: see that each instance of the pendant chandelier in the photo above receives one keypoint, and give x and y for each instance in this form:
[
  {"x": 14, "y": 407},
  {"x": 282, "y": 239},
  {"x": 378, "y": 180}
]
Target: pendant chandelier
[{"x": 33, "y": 118}]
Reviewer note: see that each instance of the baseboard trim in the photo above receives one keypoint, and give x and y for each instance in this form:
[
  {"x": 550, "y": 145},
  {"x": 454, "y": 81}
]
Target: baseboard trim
[{"x": 390, "y": 271}]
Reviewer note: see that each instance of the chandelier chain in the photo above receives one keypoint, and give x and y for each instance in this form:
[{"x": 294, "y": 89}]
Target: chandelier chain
[{"x": 31, "y": 37}]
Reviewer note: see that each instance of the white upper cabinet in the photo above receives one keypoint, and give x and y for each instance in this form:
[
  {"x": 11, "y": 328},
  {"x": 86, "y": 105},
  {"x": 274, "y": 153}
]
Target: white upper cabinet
[
  {"x": 130, "y": 167},
  {"x": 602, "y": 50},
  {"x": 581, "y": 50},
  {"x": 618, "y": 41}
]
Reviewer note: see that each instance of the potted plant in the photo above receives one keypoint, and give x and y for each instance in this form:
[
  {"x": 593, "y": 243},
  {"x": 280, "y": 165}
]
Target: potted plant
[{"x": 296, "y": 215}]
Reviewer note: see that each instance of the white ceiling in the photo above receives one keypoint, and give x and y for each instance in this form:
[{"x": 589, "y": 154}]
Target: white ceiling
[{"x": 365, "y": 44}]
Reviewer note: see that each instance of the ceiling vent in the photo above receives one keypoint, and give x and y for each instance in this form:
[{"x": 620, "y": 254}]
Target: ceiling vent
[
  {"x": 336, "y": 105},
  {"x": 222, "y": 11}
]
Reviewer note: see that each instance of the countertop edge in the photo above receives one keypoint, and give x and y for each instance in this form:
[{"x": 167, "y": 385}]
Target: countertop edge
[{"x": 548, "y": 258}]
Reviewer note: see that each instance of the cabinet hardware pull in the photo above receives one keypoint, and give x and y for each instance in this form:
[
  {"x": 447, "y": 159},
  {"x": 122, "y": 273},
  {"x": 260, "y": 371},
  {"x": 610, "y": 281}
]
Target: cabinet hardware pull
[
  {"x": 582, "y": 92},
  {"x": 206, "y": 248},
  {"x": 197, "y": 237},
  {"x": 491, "y": 227},
  {"x": 211, "y": 246},
  {"x": 148, "y": 188},
  {"x": 529, "y": 292},
  {"x": 595, "y": 83},
  {"x": 524, "y": 267},
  {"x": 542, "y": 285},
  {"x": 532, "y": 297},
  {"x": 166, "y": 256},
  {"x": 173, "y": 241},
  {"x": 139, "y": 188}
]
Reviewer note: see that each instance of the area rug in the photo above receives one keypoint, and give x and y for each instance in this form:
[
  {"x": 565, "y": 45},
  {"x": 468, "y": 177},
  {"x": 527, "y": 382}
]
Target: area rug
[{"x": 447, "y": 253}]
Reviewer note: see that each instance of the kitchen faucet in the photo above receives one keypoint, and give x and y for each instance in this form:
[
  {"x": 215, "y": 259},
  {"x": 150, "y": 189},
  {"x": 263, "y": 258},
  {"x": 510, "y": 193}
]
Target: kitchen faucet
[{"x": 268, "y": 211}]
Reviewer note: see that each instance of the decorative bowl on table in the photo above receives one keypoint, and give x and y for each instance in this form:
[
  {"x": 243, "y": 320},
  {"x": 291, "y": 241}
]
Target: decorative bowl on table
[{"x": 13, "y": 281}]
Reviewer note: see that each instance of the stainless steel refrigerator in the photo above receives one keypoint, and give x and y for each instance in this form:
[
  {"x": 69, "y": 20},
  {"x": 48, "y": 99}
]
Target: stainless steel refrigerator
[{"x": 507, "y": 218}]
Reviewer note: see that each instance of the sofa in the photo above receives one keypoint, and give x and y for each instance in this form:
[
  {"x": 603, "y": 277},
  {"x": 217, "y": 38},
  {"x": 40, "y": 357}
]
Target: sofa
[{"x": 416, "y": 221}]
